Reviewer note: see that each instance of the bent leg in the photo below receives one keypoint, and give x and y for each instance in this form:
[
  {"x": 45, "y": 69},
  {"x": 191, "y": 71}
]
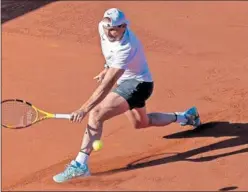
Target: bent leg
[{"x": 111, "y": 106}]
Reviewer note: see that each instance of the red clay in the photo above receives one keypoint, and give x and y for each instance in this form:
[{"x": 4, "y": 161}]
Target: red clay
[{"x": 198, "y": 53}]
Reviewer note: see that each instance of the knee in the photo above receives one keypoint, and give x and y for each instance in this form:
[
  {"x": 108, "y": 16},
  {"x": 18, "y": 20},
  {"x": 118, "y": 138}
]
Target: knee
[
  {"x": 139, "y": 125},
  {"x": 143, "y": 124}
]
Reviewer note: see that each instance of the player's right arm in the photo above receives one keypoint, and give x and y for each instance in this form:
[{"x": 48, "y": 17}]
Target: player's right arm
[{"x": 114, "y": 72}]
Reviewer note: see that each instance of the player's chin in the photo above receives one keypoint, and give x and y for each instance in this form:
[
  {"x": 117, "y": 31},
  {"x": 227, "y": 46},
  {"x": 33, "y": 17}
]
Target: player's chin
[{"x": 112, "y": 39}]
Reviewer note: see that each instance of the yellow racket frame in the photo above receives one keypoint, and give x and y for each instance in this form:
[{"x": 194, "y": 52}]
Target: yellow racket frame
[{"x": 47, "y": 115}]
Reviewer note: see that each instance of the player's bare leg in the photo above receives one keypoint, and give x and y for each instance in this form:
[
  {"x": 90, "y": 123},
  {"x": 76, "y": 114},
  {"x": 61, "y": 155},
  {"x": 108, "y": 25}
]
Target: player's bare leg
[
  {"x": 111, "y": 106},
  {"x": 140, "y": 119}
]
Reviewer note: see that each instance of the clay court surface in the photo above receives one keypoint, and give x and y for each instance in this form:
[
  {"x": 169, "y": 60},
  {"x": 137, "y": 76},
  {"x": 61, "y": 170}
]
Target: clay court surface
[{"x": 198, "y": 54}]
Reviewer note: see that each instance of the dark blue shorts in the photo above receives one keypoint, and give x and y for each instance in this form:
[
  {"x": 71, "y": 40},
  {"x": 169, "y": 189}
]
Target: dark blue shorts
[{"x": 135, "y": 92}]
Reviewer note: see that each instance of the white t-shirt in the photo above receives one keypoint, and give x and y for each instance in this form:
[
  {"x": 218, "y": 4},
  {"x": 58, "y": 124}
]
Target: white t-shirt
[{"x": 126, "y": 54}]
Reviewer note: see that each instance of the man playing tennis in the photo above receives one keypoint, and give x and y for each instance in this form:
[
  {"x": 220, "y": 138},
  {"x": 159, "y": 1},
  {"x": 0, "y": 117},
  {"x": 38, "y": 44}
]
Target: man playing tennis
[{"x": 126, "y": 66}]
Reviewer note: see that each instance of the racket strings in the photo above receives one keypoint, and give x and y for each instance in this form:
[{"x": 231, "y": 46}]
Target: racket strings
[{"x": 18, "y": 114}]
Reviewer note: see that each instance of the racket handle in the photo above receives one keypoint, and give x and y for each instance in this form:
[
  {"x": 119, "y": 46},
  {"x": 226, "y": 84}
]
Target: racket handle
[{"x": 62, "y": 116}]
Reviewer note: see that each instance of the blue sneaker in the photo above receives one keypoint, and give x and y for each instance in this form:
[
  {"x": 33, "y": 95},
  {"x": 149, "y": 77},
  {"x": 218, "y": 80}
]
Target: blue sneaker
[
  {"x": 193, "y": 117},
  {"x": 74, "y": 169}
]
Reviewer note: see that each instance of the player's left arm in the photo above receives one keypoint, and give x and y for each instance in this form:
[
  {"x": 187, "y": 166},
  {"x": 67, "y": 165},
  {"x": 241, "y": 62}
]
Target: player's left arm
[{"x": 113, "y": 73}]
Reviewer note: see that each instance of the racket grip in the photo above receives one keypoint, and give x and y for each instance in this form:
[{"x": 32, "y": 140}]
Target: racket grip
[{"x": 62, "y": 116}]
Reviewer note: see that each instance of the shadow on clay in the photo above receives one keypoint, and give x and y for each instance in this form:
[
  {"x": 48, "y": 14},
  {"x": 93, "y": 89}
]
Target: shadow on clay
[
  {"x": 212, "y": 129},
  {"x": 228, "y": 188},
  {"x": 12, "y": 9}
]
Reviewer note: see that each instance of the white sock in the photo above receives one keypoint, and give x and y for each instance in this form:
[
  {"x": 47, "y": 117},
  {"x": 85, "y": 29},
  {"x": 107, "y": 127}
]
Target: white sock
[
  {"x": 181, "y": 118},
  {"x": 82, "y": 158}
]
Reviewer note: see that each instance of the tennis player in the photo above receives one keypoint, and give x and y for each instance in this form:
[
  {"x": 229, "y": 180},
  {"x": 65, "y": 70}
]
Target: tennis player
[{"x": 127, "y": 67}]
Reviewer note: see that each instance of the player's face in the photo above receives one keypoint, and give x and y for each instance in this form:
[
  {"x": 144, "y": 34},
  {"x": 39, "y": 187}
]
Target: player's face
[{"x": 114, "y": 33}]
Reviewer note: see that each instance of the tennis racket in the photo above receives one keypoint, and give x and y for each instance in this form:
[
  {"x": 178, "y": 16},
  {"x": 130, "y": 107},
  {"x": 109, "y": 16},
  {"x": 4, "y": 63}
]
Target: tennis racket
[{"x": 17, "y": 113}]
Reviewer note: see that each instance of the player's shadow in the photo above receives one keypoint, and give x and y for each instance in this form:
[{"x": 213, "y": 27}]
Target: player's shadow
[
  {"x": 12, "y": 9},
  {"x": 239, "y": 132},
  {"x": 228, "y": 188}
]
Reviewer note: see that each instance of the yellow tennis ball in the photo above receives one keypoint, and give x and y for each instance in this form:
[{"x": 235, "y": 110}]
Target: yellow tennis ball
[{"x": 97, "y": 145}]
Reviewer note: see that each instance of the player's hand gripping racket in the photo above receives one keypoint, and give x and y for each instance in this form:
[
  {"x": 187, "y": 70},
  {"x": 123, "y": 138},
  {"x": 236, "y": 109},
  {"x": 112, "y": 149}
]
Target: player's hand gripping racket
[{"x": 17, "y": 114}]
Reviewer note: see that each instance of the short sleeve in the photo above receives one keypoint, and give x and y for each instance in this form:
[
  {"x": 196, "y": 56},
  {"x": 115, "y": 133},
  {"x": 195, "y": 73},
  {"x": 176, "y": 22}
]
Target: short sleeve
[
  {"x": 100, "y": 29},
  {"x": 121, "y": 59}
]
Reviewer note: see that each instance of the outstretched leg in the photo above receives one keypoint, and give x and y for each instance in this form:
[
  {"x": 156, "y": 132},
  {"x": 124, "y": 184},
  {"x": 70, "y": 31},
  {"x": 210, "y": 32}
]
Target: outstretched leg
[
  {"x": 140, "y": 119},
  {"x": 111, "y": 106}
]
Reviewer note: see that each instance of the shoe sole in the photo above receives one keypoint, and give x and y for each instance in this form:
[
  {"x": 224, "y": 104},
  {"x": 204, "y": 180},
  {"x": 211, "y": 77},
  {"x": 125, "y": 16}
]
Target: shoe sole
[{"x": 87, "y": 174}]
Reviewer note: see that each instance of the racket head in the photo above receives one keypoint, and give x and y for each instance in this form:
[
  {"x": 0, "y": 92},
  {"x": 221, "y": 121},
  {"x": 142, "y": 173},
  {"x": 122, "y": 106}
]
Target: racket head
[{"x": 17, "y": 113}]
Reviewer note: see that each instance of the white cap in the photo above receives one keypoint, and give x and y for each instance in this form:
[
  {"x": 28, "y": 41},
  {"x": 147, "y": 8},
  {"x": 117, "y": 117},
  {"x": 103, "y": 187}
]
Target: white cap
[{"x": 116, "y": 16}]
